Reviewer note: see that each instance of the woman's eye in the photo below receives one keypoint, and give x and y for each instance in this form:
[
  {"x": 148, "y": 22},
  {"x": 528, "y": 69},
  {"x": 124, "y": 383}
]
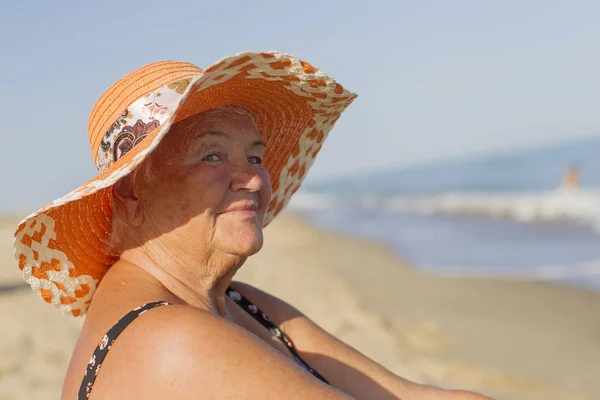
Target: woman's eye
[
  {"x": 255, "y": 160},
  {"x": 212, "y": 158}
]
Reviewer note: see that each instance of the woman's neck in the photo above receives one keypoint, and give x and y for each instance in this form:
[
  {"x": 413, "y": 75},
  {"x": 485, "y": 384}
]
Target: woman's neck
[{"x": 197, "y": 283}]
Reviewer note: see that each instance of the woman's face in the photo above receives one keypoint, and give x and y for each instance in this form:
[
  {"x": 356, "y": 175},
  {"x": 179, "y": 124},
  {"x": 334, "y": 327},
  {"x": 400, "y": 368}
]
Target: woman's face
[{"x": 208, "y": 190}]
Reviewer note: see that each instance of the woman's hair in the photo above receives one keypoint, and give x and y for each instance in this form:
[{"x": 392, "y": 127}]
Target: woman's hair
[{"x": 144, "y": 171}]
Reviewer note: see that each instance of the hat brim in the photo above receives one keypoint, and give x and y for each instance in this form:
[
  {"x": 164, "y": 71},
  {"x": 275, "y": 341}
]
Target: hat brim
[{"x": 61, "y": 248}]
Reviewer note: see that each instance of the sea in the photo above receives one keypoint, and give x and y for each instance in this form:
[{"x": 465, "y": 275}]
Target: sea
[{"x": 502, "y": 215}]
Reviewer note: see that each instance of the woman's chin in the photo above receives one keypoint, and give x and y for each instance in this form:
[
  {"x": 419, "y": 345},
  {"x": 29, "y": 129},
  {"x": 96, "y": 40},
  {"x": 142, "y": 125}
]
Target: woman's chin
[
  {"x": 247, "y": 250},
  {"x": 241, "y": 242}
]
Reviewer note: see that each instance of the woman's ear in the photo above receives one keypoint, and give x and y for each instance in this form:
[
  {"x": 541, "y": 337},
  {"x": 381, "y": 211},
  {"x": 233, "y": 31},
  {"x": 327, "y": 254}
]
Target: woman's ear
[{"x": 126, "y": 201}]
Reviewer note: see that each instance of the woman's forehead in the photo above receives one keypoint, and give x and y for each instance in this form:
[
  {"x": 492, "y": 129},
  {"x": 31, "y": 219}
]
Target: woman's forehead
[
  {"x": 250, "y": 136},
  {"x": 228, "y": 123}
]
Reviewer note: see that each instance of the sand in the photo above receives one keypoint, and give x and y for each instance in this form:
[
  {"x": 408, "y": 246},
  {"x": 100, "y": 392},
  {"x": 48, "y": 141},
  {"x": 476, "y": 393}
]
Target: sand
[{"x": 509, "y": 340}]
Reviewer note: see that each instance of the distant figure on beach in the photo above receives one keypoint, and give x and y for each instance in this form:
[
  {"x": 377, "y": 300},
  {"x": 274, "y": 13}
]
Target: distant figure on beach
[
  {"x": 571, "y": 178},
  {"x": 192, "y": 165}
]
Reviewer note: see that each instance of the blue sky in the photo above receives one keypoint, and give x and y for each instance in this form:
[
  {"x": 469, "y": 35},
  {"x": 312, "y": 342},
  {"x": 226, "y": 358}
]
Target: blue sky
[{"x": 436, "y": 79}]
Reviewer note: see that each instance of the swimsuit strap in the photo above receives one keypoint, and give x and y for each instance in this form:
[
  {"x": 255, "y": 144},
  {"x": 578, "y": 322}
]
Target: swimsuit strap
[
  {"x": 106, "y": 343},
  {"x": 265, "y": 321}
]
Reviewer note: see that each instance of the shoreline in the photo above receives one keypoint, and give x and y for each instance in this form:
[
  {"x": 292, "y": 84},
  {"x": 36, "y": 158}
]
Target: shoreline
[
  {"x": 569, "y": 275},
  {"x": 505, "y": 339}
]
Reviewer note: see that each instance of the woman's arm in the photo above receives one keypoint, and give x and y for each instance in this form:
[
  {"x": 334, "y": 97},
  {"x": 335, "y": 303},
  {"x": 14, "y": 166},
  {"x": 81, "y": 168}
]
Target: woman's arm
[{"x": 343, "y": 366}]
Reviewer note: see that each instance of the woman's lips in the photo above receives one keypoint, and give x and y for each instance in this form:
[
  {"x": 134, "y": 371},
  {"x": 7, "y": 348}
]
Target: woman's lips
[
  {"x": 243, "y": 213},
  {"x": 242, "y": 209}
]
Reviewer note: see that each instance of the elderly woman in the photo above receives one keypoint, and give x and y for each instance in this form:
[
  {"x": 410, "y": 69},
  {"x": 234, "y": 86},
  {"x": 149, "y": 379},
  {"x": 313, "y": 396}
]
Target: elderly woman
[{"x": 149, "y": 247}]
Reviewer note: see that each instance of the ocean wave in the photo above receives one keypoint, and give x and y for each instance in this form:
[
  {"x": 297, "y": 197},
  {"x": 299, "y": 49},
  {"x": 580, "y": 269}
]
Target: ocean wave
[
  {"x": 306, "y": 201},
  {"x": 578, "y": 206},
  {"x": 383, "y": 218}
]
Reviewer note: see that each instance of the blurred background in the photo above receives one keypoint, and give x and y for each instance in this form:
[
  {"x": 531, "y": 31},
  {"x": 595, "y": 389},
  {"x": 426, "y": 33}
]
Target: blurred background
[{"x": 470, "y": 153}]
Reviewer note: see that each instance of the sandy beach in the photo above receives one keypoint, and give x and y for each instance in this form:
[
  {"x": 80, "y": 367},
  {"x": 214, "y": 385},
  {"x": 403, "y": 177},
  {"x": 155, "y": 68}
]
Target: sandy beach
[{"x": 506, "y": 339}]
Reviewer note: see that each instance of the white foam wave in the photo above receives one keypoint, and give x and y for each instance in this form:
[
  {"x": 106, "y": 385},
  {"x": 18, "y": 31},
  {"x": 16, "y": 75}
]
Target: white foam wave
[
  {"x": 578, "y": 206},
  {"x": 305, "y": 201}
]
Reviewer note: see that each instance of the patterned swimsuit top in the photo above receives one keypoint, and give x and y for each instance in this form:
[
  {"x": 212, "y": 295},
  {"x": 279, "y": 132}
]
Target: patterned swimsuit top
[{"x": 107, "y": 341}]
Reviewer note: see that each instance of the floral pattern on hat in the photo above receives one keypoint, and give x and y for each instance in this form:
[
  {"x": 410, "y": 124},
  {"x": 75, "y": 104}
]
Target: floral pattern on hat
[{"x": 137, "y": 121}]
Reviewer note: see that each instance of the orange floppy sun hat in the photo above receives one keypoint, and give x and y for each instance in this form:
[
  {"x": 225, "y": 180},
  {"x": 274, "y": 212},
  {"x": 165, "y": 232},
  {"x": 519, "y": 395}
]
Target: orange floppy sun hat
[{"x": 62, "y": 248}]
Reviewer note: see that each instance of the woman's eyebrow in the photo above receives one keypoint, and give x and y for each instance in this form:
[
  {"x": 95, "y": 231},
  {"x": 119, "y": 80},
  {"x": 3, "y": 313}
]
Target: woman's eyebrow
[
  {"x": 255, "y": 143},
  {"x": 200, "y": 137},
  {"x": 258, "y": 143}
]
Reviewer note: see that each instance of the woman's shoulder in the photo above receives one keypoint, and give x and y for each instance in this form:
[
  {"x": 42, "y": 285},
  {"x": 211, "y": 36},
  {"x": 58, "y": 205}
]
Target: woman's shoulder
[
  {"x": 169, "y": 328},
  {"x": 141, "y": 339},
  {"x": 178, "y": 351}
]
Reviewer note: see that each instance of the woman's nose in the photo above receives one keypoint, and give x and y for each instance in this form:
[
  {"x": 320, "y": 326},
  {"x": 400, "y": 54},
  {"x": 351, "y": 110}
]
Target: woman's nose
[{"x": 246, "y": 178}]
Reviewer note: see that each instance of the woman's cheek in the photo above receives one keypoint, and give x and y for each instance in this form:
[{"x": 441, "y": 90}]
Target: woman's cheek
[{"x": 265, "y": 190}]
